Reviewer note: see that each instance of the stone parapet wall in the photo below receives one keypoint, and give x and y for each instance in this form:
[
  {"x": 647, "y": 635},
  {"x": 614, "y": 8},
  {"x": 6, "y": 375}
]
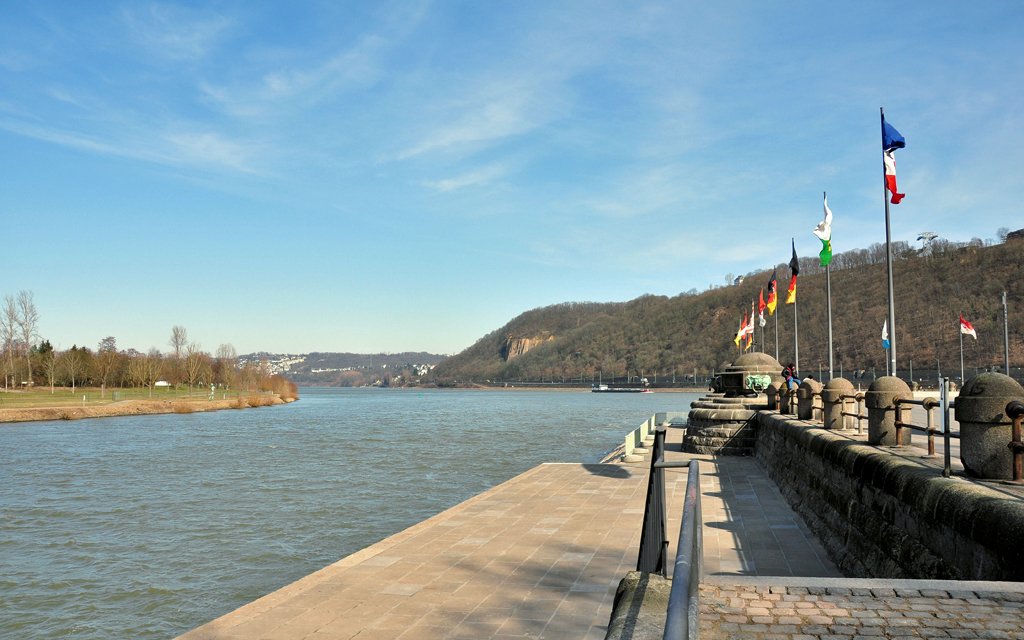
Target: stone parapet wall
[{"x": 885, "y": 513}]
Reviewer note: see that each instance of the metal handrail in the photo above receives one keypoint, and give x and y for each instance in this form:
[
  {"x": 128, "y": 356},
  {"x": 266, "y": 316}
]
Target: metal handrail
[
  {"x": 860, "y": 415},
  {"x": 682, "y": 620},
  {"x": 929, "y": 404},
  {"x": 684, "y": 598}
]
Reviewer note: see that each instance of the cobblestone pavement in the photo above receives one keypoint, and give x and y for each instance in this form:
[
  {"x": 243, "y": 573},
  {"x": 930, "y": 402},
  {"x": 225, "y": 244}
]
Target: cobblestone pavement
[{"x": 843, "y": 609}]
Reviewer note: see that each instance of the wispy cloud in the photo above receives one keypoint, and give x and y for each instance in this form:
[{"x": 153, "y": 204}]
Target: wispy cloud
[
  {"x": 172, "y": 31},
  {"x": 177, "y": 146},
  {"x": 477, "y": 177}
]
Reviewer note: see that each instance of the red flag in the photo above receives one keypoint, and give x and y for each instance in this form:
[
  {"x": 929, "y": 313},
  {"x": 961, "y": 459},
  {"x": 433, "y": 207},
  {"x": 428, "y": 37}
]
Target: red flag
[
  {"x": 967, "y": 327},
  {"x": 761, "y": 306}
]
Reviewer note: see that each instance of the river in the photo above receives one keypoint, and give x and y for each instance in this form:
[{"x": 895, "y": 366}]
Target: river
[{"x": 147, "y": 526}]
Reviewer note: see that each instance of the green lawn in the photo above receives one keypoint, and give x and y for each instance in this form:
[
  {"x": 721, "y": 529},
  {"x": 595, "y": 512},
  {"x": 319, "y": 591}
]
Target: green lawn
[{"x": 92, "y": 396}]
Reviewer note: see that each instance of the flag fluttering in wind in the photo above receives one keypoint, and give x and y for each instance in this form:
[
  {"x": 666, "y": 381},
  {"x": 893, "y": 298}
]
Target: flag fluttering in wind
[
  {"x": 794, "y": 267},
  {"x": 967, "y": 327},
  {"x": 742, "y": 331},
  {"x": 885, "y": 334},
  {"x": 772, "y": 296},
  {"x": 750, "y": 328},
  {"x": 891, "y": 140},
  {"x": 761, "y": 306},
  {"x": 824, "y": 233}
]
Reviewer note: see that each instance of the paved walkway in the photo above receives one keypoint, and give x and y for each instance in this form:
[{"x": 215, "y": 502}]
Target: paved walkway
[
  {"x": 822, "y": 609},
  {"x": 540, "y": 556}
]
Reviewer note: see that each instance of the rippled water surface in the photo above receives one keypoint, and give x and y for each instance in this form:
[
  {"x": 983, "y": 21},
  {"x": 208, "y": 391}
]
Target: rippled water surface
[{"x": 145, "y": 527}]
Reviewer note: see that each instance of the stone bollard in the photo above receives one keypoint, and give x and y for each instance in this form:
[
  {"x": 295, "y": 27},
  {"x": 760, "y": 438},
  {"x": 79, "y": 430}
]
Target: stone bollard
[
  {"x": 787, "y": 401},
  {"x": 834, "y": 404},
  {"x": 881, "y": 402},
  {"x": 985, "y": 429},
  {"x": 773, "y": 395},
  {"x": 808, "y": 399}
]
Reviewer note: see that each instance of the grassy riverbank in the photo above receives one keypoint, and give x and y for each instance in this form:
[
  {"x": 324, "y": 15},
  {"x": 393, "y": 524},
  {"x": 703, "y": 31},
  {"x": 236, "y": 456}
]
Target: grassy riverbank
[{"x": 89, "y": 402}]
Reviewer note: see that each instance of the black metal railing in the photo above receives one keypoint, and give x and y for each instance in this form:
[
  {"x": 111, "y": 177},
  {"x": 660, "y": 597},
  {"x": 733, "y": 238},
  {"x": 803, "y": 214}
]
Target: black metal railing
[{"x": 684, "y": 598}]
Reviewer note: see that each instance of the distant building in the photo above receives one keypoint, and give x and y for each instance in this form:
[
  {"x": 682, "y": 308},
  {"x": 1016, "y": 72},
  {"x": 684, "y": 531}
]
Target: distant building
[
  {"x": 1015, "y": 236},
  {"x": 738, "y": 280}
]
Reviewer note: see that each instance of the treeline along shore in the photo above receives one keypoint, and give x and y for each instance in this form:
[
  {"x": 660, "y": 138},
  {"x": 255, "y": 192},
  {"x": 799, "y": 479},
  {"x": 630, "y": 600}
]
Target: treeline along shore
[{"x": 41, "y": 382}]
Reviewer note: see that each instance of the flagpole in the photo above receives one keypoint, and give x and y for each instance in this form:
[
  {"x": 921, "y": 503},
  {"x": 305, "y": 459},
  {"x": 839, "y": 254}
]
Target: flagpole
[
  {"x": 828, "y": 298},
  {"x": 888, "y": 259},
  {"x": 960, "y": 330},
  {"x": 776, "y": 326},
  {"x": 1006, "y": 337},
  {"x": 796, "y": 339}
]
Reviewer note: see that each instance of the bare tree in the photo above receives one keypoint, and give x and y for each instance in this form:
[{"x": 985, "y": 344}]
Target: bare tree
[
  {"x": 106, "y": 361},
  {"x": 74, "y": 365},
  {"x": 28, "y": 319},
  {"x": 196, "y": 363},
  {"x": 136, "y": 370},
  {"x": 227, "y": 365},
  {"x": 179, "y": 338},
  {"x": 51, "y": 365},
  {"x": 178, "y": 342},
  {"x": 9, "y": 333},
  {"x": 154, "y": 364}
]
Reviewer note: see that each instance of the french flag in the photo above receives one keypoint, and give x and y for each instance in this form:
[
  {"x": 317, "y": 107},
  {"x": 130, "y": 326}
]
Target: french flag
[{"x": 891, "y": 140}]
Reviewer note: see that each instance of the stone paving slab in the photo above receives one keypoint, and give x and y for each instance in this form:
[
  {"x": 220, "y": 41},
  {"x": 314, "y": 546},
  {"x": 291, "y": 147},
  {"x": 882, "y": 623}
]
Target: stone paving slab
[
  {"x": 539, "y": 556},
  {"x": 846, "y": 609}
]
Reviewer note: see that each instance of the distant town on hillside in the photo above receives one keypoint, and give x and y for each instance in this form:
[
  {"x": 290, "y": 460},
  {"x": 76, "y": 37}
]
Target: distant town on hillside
[{"x": 349, "y": 369}]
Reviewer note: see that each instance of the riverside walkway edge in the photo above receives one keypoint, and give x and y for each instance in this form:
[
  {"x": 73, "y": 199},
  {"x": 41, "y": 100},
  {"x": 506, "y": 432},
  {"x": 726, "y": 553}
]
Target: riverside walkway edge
[{"x": 540, "y": 556}]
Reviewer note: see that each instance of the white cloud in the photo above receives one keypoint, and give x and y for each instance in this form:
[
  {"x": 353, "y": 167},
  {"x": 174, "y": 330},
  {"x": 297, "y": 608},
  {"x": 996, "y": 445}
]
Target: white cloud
[
  {"x": 480, "y": 176},
  {"x": 174, "y": 32}
]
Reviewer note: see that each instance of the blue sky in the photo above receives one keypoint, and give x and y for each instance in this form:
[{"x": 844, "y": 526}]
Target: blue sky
[{"x": 391, "y": 176}]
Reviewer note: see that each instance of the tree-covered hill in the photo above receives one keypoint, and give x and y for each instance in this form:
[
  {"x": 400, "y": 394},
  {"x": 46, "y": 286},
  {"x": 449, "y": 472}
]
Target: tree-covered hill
[{"x": 675, "y": 336}]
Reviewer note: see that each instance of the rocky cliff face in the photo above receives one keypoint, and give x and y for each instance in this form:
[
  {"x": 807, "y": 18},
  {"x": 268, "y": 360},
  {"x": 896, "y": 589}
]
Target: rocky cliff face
[{"x": 518, "y": 345}]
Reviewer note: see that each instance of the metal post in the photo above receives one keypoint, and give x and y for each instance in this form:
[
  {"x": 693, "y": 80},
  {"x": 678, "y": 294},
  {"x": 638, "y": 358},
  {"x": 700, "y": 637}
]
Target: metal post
[
  {"x": 653, "y": 538},
  {"x": 828, "y": 296},
  {"x": 944, "y": 398},
  {"x": 962, "y": 379},
  {"x": 1006, "y": 338},
  {"x": 888, "y": 262}
]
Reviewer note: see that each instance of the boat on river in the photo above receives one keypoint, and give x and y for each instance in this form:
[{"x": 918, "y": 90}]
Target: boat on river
[{"x": 603, "y": 388}]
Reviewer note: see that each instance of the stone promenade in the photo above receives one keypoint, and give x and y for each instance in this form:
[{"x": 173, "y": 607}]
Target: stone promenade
[{"x": 540, "y": 556}]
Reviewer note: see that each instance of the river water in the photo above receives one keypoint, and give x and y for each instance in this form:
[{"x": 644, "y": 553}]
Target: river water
[{"x": 148, "y": 526}]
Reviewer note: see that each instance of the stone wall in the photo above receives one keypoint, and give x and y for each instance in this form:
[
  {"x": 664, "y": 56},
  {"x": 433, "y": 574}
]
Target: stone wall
[{"x": 883, "y": 513}]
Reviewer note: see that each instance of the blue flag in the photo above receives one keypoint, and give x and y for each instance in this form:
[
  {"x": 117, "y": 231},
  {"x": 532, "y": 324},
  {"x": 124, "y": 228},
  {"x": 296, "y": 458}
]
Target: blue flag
[{"x": 891, "y": 138}]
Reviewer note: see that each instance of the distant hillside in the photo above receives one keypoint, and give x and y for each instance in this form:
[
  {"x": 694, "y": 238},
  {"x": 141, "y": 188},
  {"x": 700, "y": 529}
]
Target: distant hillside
[
  {"x": 351, "y": 369},
  {"x": 663, "y": 336}
]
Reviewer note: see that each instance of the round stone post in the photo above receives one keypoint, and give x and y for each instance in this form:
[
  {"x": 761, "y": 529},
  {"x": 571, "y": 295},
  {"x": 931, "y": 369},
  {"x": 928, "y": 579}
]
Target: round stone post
[
  {"x": 881, "y": 402},
  {"x": 787, "y": 401},
  {"x": 834, "y": 404},
  {"x": 985, "y": 429},
  {"x": 773, "y": 396},
  {"x": 808, "y": 399}
]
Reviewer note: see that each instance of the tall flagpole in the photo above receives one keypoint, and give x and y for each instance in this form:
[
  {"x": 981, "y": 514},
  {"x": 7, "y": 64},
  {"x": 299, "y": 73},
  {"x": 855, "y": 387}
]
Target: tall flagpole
[
  {"x": 828, "y": 298},
  {"x": 960, "y": 330},
  {"x": 888, "y": 261},
  {"x": 776, "y": 321},
  {"x": 796, "y": 339},
  {"x": 1006, "y": 337}
]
